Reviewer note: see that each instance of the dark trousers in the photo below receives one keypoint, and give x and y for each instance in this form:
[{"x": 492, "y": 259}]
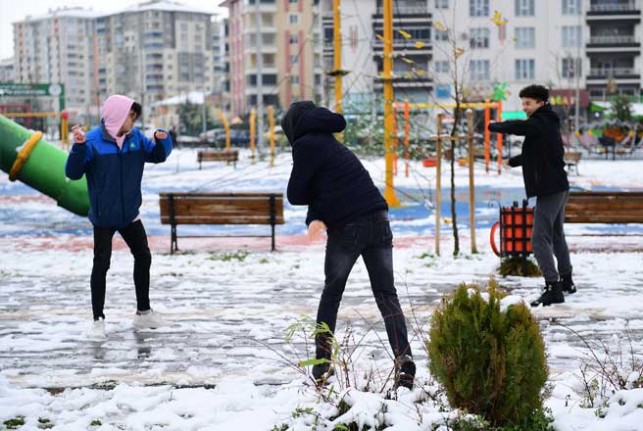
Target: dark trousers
[
  {"x": 370, "y": 237},
  {"x": 136, "y": 239},
  {"x": 548, "y": 236}
]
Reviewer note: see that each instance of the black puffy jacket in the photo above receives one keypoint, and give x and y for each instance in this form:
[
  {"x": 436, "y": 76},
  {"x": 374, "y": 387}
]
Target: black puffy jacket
[
  {"x": 326, "y": 175},
  {"x": 543, "y": 167}
]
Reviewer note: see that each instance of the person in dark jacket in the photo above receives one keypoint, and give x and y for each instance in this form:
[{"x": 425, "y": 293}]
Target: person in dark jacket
[
  {"x": 112, "y": 157},
  {"x": 342, "y": 198},
  {"x": 543, "y": 171}
]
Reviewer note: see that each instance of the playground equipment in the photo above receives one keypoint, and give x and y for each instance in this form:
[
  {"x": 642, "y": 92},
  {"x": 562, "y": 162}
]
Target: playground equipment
[
  {"x": 40, "y": 165},
  {"x": 486, "y": 105},
  {"x": 516, "y": 224}
]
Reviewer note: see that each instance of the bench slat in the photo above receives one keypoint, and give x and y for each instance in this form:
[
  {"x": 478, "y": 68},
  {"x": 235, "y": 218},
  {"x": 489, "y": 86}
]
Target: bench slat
[{"x": 604, "y": 207}]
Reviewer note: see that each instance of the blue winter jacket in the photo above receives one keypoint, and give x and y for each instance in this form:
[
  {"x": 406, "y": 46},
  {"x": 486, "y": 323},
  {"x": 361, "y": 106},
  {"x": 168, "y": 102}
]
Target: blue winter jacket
[{"x": 114, "y": 175}]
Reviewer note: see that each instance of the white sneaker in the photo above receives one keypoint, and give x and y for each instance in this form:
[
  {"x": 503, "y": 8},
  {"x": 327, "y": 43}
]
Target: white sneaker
[
  {"x": 97, "y": 331},
  {"x": 149, "y": 320}
]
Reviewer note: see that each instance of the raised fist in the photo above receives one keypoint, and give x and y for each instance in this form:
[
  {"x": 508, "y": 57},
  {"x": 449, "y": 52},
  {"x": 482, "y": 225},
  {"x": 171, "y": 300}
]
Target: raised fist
[
  {"x": 79, "y": 134},
  {"x": 159, "y": 134}
]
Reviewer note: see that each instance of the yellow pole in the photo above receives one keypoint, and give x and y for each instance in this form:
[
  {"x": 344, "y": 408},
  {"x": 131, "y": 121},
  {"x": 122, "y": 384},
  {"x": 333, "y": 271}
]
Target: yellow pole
[
  {"x": 389, "y": 191},
  {"x": 64, "y": 131},
  {"x": 337, "y": 42},
  {"x": 253, "y": 130},
  {"x": 226, "y": 127},
  {"x": 472, "y": 191},
  {"x": 438, "y": 182},
  {"x": 271, "y": 122}
]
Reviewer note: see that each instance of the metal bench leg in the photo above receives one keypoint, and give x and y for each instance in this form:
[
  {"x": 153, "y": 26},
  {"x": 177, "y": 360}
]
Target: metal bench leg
[{"x": 174, "y": 244}]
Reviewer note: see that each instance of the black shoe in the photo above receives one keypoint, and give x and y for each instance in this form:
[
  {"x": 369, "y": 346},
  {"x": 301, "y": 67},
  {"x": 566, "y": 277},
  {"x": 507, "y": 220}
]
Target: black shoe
[
  {"x": 553, "y": 294},
  {"x": 321, "y": 373},
  {"x": 568, "y": 284},
  {"x": 404, "y": 372}
]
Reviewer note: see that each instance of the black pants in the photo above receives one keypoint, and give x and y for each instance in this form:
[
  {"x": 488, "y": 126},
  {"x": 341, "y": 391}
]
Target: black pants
[
  {"x": 370, "y": 237},
  {"x": 136, "y": 239}
]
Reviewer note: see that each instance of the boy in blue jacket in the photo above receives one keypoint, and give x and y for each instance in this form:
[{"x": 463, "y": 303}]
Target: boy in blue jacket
[
  {"x": 112, "y": 157},
  {"x": 342, "y": 198}
]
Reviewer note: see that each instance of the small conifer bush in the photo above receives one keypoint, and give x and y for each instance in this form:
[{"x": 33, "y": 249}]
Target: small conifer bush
[{"x": 490, "y": 360}]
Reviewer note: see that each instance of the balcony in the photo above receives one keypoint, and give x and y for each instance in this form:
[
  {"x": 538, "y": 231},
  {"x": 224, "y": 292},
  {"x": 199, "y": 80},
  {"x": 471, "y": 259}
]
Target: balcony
[
  {"x": 625, "y": 10},
  {"x": 401, "y": 11},
  {"x": 616, "y": 73},
  {"x": 614, "y": 43},
  {"x": 402, "y": 82},
  {"x": 609, "y": 7}
]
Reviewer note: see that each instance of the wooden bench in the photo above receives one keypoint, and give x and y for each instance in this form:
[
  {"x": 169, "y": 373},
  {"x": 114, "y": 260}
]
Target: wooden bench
[
  {"x": 604, "y": 207},
  {"x": 572, "y": 158},
  {"x": 221, "y": 208},
  {"x": 217, "y": 156}
]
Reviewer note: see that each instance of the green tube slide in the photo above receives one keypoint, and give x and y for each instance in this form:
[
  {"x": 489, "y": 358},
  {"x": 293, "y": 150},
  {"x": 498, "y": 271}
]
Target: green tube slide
[{"x": 43, "y": 169}]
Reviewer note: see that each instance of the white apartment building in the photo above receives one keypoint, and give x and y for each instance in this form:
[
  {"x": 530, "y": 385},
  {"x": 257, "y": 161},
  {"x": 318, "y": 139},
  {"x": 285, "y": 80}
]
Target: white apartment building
[
  {"x": 7, "y": 70},
  {"x": 57, "y": 47},
  {"x": 155, "y": 50},
  {"x": 590, "y": 45}
]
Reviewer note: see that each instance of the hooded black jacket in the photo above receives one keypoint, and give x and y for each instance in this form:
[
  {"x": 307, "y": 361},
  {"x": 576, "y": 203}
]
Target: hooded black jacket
[
  {"x": 326, "y": 175},
  {"x": 543, "y": 167}
]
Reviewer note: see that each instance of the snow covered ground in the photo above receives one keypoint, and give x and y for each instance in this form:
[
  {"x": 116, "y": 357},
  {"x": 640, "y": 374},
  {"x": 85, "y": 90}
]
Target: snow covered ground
[{"x": 225, "y": 363}]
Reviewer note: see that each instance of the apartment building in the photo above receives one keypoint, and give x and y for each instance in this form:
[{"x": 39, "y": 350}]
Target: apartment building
[
  {"x": 155, "y": 50},
  {"x": 274, "y": 51},
  {"x": 7, "y": 70},
  {"x": 58, "y": 47},
  {"x": 589, "y": 45},
  {"x": 613, "y": 47}
]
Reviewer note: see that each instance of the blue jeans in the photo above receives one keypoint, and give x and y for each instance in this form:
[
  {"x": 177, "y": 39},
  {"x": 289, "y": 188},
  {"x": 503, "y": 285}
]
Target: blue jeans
[{"x": 369, "y": 236}]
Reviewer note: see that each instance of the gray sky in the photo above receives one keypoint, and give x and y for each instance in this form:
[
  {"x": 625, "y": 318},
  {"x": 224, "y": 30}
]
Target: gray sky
[{"x": 16, "y": 10}]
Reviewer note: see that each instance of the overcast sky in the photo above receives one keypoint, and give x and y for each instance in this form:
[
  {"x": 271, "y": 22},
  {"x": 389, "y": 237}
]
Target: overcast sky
[{"x": 17, "y": 10}]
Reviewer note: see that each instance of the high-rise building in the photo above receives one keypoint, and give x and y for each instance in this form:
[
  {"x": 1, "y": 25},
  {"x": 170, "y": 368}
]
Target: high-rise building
[
  {"x": 155, "y": 50},
  {"x": 7, "y": 70},
  {"x": 287, "y": 35},
  {"x": 57, "y": 47}
]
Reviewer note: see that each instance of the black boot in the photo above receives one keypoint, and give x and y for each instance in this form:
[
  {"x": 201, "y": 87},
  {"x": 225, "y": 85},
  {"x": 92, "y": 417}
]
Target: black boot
[
  {"x": 404, "y": 372},
  {"x": 553, "y": 294},
  {"x": 323, "y": 350},
  {"x": 568, "y": 283}
]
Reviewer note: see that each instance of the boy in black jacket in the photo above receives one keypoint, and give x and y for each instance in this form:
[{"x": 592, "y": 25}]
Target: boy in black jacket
[
  {"x": 543, "y": 171},
  {"x": 342, "y": 198}
]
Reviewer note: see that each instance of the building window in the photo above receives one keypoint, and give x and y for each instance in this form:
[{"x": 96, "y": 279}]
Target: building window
[
  {"x": 525, "y": 37},
  {"x": 525, "y": 69},
  {"x": 479, "y": 38},
  {"x": 571, "y": 36},
  {"x": 479, "y": 70},
  {"x": 571, "y": 7},
  {"x": 524, "y": 7},
  {"x": 294, "y": 79},
  {"x": 441, "y": 36},
  {"x": 441, "y": 66},
  {"x": 293, "y": 18},
  {"x": 294, "y": 59},
  {"x": 294, "y": 39},
  {"x": 567, "y": 67},
  {"x": 478, "y": 7},
  {"x": 442, "y": 4}
]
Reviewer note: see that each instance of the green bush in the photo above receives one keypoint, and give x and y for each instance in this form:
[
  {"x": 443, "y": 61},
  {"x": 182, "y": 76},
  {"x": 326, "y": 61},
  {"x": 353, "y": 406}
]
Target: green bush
[{"x": 491, "y": 362}]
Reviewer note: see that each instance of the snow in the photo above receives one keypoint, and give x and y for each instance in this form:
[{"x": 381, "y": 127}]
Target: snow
[{"x": 225, "y": 363}]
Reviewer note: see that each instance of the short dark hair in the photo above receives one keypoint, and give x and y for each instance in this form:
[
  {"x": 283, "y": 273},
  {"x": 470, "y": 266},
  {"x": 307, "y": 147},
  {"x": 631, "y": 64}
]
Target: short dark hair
[
  {"x": 137, "y": 109},
  {"x": 537, "y": 92}
]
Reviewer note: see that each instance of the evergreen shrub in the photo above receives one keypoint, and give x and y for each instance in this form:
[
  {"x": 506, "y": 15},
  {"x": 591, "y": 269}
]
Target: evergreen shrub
[{"x": 491, "y": 360}]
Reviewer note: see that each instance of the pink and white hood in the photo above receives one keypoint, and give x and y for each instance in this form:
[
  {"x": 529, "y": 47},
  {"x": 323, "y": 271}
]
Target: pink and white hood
[{"x": 115, "y": 112}]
